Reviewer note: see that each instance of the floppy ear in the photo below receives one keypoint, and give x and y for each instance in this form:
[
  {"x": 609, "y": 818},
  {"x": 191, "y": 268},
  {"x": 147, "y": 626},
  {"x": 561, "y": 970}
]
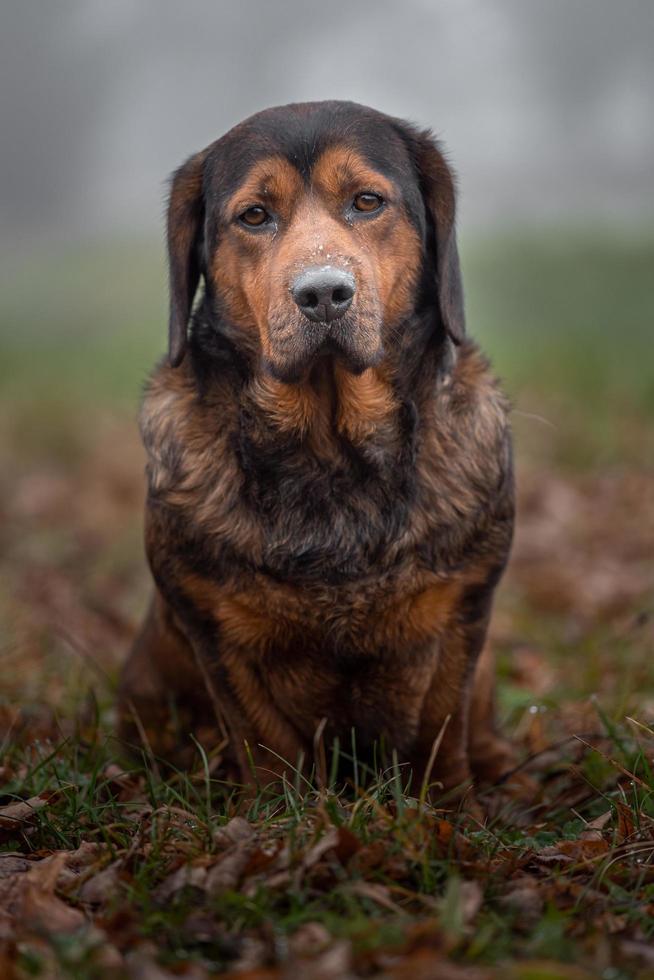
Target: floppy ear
[
  {"x": 185, "y": 220},
  {"x": 439, "y": 194}
]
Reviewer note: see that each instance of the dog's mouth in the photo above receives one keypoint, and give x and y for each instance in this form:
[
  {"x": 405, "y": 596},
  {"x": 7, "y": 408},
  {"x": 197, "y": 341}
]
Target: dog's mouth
[
  {"x": 355, "y": 344},
  {"x": 352, "y": 361}
]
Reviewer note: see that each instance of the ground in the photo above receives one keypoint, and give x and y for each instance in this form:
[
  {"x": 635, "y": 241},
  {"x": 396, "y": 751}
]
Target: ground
[{"x": 112, "y": 869}]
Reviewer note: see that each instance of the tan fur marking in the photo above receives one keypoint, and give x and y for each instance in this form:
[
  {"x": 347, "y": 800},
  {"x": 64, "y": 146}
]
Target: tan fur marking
[
  {"x": 247, "y": 620},
  {"x": 417, "y": 618},
  {"x": 364, "y": 401},
  {"x": 272, "y": 181},
  {"x": 341, "y": 171},
  {"x": 242, "y": 266},
  {"x": 290, "y": 407}
]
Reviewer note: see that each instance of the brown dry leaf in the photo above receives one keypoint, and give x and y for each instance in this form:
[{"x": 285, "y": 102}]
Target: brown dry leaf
[
  {"x": 142, "y": 965},
  {"x": 601, "y": 822},
  {"x": 252, "y": 954},
  {"x": 448, "y": 839},
  {"x": 370, "y": 857},
  {"x": 379, "y": 894},
  {"x": 124, "y": 784},
  {"x": 472, "y": 898},
  {"x": 334, "y": 963},
  {"x": 524, "y": 899},
  {"x": 328, "y": 842},
  {"x": 591, "y": 834},
  {"x": 29, "y": 899},
  {"x": 613, "y": 923},
  {"x": 643, "y": 951},
  {"x": 14, "y": 816},
  {"x": 11, "y": 864},
  {"x": 227, "y": 873},
  {"x": 79, "y": 865},
  {"x": 274, "y": 856},
  {"x": 187, "y": 876},
  {"x": 376, "y": 855},
  {"x": 234, "y": 832},
  {"x": 101, "y": 887},
  {"x": 444, "y": 831},
  {"x": 310, "y": 939},
  {"x": 572, "y": 851},
  {"x": 347, "y": 846},
  {"x": 428, "y": 964},
  {"x": 85, "y": 855},
  {"x": 423, "y": 956},
  {"x": 258, "y": 973},
  {"x": 183, "y": 821},
  {"x": 626, "y": 828}
]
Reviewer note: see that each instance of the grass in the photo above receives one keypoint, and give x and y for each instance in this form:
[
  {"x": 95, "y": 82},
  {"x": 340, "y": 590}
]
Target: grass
[
  {"x": 125, "y": 871},
  {"x": 397, "y": 879}
]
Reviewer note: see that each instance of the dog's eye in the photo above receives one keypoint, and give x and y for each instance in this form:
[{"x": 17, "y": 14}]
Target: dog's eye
[
  {"x": 368, "y": 202},
  {"x": 254, "y": 216}
]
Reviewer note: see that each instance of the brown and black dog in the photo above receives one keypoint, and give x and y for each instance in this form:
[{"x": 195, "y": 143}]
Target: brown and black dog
[{"x": 330, "y": 500}]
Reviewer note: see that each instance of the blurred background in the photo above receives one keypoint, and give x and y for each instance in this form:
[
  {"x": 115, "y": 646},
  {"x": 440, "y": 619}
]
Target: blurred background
[{"x": 547, "y": 112}]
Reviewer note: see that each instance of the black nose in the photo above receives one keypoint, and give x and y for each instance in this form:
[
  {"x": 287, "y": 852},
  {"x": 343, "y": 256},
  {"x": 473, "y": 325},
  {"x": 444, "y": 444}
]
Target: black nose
[{"x": 324, "y": 293}]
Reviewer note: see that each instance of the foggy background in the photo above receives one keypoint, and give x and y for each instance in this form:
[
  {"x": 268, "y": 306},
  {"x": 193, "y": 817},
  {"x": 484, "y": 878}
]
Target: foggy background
[{"x": 546, "y": 108}]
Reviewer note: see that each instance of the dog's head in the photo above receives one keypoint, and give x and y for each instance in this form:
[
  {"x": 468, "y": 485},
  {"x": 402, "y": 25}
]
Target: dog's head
[{"x": 317, "y": 228}]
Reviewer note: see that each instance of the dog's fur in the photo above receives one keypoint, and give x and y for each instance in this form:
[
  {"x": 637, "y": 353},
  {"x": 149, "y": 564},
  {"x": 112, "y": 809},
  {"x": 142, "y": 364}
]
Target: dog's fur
[{"x": 330, "y": 506}]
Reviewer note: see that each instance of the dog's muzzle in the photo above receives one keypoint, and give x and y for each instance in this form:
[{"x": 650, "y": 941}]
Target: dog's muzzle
[{"x": 324, "y": 293}]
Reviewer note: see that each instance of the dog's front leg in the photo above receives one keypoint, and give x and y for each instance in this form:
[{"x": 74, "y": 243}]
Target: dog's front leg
[
  {"x": 262, "y": 740},
  {"x": 441, "y": 757}
]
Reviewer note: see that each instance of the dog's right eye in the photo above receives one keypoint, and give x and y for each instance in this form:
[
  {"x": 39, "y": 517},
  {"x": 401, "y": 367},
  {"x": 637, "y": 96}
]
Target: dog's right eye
[{"x": 254, "y": 216}]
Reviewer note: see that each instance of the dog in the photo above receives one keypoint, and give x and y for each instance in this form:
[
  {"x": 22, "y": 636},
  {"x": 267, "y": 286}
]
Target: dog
[{"x": 330, "y": 490}]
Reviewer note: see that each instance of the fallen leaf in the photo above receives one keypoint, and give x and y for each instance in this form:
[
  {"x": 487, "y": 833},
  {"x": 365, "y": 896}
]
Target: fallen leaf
[
  {"x": 626, "y": 828},
  {"x": 11, "y": 864},
  {"x": 15, "y": 816},
  {"x": 639, "y": 950},
  {"x": 141, "y": 964},
  {"x": 234, "y": 832},
  {"x": 102, "y": 887},
  {"x": 347, "y": 845},
  {"x": 227, "y": 873},
  {"x": 472, "y": 898},
  {"x": 377, "y": 893},
  {"x": 328, "y": 842},
  {"x": 429, "y": 964},
  {"x": 188, "y": 876},
  {"x": 571, "y": 851},
  {"x": 29, "y": 898},
  {"x": 524, "y": 899},
  {"x": 309, "y": 939},
  {"x": 599, "y": 823},
  {"x": 334, "y": 963}
]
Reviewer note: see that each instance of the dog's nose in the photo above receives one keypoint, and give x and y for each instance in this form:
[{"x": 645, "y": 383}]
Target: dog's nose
[{"x": 324, "y": 294}]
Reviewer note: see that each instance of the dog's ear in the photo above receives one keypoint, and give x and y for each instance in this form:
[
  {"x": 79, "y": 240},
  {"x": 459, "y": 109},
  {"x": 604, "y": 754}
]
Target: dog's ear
[
  {"x": 185, "y": 223},
  {"x": 438, "y": 190}
]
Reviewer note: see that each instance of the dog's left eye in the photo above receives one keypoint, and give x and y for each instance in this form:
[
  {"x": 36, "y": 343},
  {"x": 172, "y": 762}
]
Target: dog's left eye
[
  {"x": 254, "y": 216},
  {"x": 368, "y": 202}
]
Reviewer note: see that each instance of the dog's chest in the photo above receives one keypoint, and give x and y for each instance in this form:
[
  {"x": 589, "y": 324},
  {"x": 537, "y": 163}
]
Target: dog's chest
[
  {"x": 300, "y": 516},
  {"x": 287, "y": 545},
  {"x": 329, "y": 525}
]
